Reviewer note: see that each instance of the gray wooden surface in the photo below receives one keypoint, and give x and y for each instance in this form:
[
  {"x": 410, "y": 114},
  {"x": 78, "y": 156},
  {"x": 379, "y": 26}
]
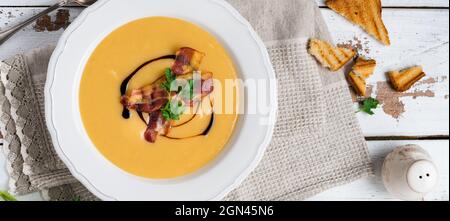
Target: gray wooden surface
[{"x": 419, "y": 31}]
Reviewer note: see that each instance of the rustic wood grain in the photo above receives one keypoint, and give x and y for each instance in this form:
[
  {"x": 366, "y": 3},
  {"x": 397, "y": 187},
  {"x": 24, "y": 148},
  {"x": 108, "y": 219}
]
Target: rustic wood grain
[
  {"x": 419, "y": 37},
  {"x": 420, "y": 34},
  {"x": 386, "y": 3},
  {"x": 373, "y": 189}
]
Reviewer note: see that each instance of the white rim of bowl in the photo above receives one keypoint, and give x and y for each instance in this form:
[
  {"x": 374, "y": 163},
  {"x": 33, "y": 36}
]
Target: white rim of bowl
[{"x": 62, "y": 43}]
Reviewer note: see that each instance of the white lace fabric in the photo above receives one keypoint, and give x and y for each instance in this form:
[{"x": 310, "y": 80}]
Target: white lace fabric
[
  {"x": 317, "y": 143},
  {"x": 31, "y": 159}
]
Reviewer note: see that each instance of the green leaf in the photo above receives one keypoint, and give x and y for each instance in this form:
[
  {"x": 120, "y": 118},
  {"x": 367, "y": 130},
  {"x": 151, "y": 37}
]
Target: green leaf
[
  {"x": 166, "y": 86},
  {"x": 166, "y": 111},
  {"x": 172, "y": 112},
  {"x": 166, "y": 114},
  {"x": 368, "y": 105},
  {"x": 6, "y": 196},
  {"x": 191, "y": 88},
  {"x": 170, "y": 77}
]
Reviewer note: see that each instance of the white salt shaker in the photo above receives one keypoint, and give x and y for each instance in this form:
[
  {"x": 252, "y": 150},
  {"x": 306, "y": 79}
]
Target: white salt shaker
[{"x": 409, "y": 173}]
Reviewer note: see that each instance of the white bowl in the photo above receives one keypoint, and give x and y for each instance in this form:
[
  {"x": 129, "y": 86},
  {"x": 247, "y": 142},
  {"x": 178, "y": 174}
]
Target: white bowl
[{"x": 88, "y": 165}]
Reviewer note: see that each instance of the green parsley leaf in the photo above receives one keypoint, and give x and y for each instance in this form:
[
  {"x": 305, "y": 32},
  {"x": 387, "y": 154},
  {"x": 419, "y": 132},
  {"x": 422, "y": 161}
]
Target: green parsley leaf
[
  {"x": 191, "y": 88},
  {"x": 170, "y": 77},
  {"x": 166, "y": 86},
  {"x": 368, "y": 105},
  {"x": 166, "y": 114},
  {"x": 166, "y": 111},
  {"x": 6, "y": 196},
  {"x": 173, "y": 112}
]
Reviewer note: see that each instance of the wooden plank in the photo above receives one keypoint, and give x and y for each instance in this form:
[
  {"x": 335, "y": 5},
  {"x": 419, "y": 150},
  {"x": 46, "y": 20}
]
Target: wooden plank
[
  {"x": 31, "y": 3},
  {"x": 372, "y": 189},
  {"x": 406, "y": 3},
  {"x": 419, "y": 37},
  {"x": 29, "y": 37},
  {"x": 386, "y": 3},
  {"x": 365, "y": 189}
]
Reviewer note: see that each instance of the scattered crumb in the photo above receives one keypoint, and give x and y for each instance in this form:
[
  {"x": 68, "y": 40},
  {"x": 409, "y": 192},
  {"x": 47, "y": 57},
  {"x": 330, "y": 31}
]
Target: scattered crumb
[
  {"x": 46, "y": 23},
  {"x": 390, "y": 99},
  {"x": 428, "y": 81},
  {"x": 357, "y": 44}
]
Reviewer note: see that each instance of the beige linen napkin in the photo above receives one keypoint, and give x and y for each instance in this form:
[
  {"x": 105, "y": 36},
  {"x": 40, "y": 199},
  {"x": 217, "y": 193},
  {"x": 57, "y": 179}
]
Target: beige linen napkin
[{"x": 317, "y": 142}]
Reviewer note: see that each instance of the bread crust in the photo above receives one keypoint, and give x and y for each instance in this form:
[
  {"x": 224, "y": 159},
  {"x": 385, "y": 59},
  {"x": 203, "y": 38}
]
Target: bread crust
[
  {"x": 329, "y": 56},
  {"x": 362, "y": 69},
  {"x": 405, "y": 79},
  {"x": 365, "y": 13}
]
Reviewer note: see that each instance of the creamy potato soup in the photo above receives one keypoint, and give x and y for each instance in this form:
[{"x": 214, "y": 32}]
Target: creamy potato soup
[{"x": 133, "y": 114}]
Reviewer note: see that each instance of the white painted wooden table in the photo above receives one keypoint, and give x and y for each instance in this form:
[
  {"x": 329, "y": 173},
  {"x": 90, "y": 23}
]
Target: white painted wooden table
[{"x": 419, "y": 31}]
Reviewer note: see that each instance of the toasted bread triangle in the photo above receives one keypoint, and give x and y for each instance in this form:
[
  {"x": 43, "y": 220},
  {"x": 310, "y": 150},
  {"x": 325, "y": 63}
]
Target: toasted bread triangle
[
  {"x": 404, "y": 80},
  {"x": 329, "y": 56},
  {"x": 364, "y": 67},
  {"x": 365, "y": 13},
  {"x": 362, "y": 70},
  {"x": 358, "y": 83}
]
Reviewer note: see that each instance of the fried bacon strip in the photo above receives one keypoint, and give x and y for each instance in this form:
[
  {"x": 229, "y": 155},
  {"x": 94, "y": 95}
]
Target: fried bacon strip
[
  {"x": 147, "y": 99},
  {"x": 205, "y": 89},
  {"x": 153, "y": 97},
  {"x": 187, "y": 60},
  {"x": 157, "y": 125}
]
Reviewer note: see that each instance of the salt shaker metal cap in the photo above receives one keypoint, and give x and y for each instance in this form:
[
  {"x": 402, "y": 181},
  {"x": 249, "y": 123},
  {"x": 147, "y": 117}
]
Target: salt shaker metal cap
[{"x": 409, "y": 173}]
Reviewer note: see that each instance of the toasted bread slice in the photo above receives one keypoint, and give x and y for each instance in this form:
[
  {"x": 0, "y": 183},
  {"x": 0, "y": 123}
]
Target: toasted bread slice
[
  {"x": 404, "y": 80},
  {"x": 329, "y": 56},
  {"x": 364, "y": 68},
  {"x": 358, "y": 83},
  {"x": 365, "y": 13}
]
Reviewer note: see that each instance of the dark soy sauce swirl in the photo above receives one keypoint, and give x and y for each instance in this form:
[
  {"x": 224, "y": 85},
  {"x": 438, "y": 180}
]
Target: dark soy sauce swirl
[
  {"x": 124, "y": 85},
  {"x": 126, "y": 113},
  {"x": 206, "y": 132}
]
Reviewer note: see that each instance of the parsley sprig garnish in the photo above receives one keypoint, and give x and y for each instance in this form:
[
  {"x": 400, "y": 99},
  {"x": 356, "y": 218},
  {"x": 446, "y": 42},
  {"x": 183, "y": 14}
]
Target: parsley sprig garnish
[
  {"x": 173, "y": 109},
  {"x": 170, "y": 78},
  {"x": 368, "y": 105}
]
